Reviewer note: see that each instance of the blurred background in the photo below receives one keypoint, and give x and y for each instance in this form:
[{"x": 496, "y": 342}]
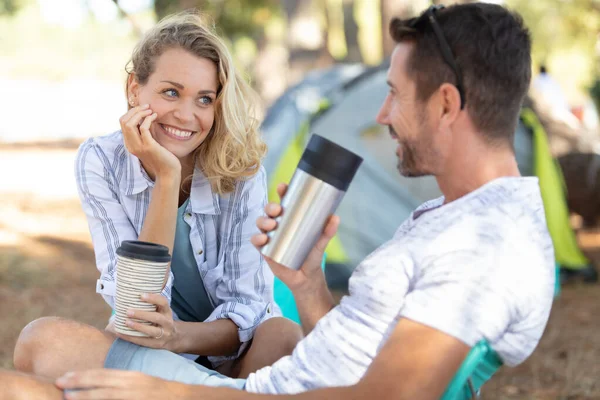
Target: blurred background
[{"x": 316, "y": 63}]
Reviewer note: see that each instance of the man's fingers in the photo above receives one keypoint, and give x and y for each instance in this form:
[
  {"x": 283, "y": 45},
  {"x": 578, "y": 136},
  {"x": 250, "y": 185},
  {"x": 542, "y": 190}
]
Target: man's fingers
[
  {"x": 328, "y": 233},
  {"x": 259, "y": 240},
  {"x": 266, "y": 224},
  {"x": 89, "y": 379},
  {"x": 281, "y": 189},
  {"x": 95, "y": 394},
  {"x": 273, "y": 210}
]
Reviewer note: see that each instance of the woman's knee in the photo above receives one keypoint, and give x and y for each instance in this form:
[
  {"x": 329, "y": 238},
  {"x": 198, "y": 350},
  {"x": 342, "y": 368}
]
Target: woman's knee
[
  {"x": 48, "y": 346},
  {"x": 281, "y": 331},
  {"x": 32, "y": 339}
]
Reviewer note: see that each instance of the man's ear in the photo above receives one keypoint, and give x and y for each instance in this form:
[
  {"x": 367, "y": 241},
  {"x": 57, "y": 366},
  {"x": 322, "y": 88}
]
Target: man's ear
[{"x": 450, "y": 103}]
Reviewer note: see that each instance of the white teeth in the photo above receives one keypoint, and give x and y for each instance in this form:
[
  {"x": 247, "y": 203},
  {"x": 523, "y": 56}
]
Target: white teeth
[{"x": 177, "y": 132}]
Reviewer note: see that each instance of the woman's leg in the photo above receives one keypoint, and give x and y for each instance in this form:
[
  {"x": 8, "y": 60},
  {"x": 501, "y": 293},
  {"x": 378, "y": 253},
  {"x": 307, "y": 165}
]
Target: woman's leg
[
  {"x": 275, "y": 338},
  {"x": 52, "y": 346},
  {"x": 19, "y": 386}
]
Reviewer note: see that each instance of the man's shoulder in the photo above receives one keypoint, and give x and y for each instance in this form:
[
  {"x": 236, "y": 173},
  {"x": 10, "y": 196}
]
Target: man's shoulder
[{"x": 508, "y": 216}]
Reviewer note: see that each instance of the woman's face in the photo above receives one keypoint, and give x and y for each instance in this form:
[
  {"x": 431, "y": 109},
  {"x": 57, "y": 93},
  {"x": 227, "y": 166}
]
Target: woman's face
[{"x": 182, "y": 91}]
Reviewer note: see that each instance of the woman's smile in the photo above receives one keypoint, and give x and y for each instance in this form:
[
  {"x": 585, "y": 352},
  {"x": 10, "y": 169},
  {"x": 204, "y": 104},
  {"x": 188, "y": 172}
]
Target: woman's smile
[{"x": 175, "y": 132}]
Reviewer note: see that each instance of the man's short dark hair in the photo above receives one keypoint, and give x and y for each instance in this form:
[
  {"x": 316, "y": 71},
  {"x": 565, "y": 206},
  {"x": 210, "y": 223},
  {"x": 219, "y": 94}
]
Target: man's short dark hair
[{"x": 492, "y": 48}]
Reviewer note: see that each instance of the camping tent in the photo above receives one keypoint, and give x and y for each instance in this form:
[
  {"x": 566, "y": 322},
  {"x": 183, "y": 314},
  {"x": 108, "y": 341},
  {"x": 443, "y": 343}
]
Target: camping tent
[{"x": 341, "y": 104}]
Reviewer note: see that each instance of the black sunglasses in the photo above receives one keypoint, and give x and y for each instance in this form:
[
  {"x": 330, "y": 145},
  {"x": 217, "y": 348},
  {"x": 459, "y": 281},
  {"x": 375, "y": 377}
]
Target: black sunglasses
[{"x": 429, "y": 15}]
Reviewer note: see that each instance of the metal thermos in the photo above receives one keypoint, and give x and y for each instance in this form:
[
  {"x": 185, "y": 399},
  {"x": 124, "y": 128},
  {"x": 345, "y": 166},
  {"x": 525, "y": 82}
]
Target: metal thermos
[{"x": 314, "y": 193}]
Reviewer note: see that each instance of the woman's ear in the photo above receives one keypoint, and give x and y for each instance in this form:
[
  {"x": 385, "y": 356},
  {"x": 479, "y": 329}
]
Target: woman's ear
[{"x": 132, "y": 90}]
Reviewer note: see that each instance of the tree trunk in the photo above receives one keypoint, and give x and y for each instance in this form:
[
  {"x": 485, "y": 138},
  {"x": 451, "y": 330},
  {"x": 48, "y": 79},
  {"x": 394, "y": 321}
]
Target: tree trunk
[
  {"x": 391, "y": 9},
  {"x": 351, "y": 33},
  {"x": 303, "y": 55}
]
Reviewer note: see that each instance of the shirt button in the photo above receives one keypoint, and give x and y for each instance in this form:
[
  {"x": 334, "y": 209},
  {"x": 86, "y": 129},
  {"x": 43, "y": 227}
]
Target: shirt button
[
  {"x": 101, "y": 286},
  {"x": 200, "y": 252},
  {"x": 188, "y": 215}
]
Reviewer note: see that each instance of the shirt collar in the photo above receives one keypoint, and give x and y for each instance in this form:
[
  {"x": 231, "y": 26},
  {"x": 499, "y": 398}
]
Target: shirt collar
[{"x": 202, "y": 198}]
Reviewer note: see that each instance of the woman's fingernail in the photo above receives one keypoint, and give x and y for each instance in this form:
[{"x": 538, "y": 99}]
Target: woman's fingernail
[
  {"x": 146, "y": 106},
  {"x": 130, "y": 313},
  {"x": 129, "y": 322},
  {"x": 145, "y": 296}
]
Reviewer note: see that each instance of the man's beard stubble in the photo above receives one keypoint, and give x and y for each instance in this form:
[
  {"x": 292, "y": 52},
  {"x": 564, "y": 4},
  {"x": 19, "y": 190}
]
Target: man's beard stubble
[{"x": 412, "y": 164}]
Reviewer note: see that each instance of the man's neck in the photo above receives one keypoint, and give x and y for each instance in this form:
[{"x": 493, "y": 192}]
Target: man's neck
[{"x": 474, "y": 170}]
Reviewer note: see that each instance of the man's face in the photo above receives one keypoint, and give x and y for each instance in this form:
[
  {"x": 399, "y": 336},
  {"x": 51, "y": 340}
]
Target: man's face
[{"x": 407, "y": 119}]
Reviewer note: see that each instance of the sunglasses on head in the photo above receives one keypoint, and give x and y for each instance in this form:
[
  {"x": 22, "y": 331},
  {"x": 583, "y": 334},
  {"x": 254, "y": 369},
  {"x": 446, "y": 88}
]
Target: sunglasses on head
[{"x": 429, "y": 15}]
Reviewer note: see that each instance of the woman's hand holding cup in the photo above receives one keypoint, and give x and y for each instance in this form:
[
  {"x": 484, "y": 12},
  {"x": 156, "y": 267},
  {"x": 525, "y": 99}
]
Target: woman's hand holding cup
[{"x": 162, "y": 334}]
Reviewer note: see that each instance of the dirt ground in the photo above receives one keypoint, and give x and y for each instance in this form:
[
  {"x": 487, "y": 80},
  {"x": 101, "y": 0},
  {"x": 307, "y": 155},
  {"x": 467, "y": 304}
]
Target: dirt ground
[{"x": 47, "y": 268}]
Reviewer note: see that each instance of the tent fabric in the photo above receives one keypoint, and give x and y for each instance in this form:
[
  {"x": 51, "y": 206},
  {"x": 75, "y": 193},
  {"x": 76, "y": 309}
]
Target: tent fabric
[{"x": 567, "y": 252}]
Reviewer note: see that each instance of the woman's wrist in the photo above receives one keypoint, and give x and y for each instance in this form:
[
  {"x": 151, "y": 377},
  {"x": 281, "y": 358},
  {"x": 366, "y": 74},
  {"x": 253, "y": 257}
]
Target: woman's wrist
[
  {"x": 169, "y": 178},
  {"x": 178, "y": 344}
]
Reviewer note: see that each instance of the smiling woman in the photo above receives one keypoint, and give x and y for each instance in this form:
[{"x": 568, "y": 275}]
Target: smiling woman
[{"x": 184, "y": 171}]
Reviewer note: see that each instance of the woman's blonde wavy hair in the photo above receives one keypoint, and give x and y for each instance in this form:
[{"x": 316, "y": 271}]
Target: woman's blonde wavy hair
[{"x": 234, "y": 149}]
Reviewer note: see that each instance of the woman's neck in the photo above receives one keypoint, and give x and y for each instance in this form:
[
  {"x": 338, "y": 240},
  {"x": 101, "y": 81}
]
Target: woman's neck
[{"x": 187, "y": 172}]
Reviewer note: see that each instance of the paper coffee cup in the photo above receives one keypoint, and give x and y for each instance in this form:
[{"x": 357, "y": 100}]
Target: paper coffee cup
[{"x": 141, "y": 268}]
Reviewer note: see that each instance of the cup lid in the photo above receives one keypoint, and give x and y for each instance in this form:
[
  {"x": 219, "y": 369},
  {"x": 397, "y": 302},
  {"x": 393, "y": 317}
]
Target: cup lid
[
  {"x": 144, "y": 251},
  {"x": 329, "y": 162}
]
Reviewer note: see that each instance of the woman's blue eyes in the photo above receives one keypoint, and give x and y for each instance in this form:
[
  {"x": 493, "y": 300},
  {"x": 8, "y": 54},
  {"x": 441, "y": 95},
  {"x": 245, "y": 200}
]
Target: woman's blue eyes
[{"x": 204, "y": 100}]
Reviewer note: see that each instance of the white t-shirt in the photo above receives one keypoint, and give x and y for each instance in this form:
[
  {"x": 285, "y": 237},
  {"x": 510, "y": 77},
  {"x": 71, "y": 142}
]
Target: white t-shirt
[{"x": 478, "y": 267}]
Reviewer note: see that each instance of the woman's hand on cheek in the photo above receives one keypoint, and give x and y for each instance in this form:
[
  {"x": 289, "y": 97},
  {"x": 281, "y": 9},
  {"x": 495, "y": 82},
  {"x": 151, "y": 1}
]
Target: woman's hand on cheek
[{"x": 158, "y": 162}]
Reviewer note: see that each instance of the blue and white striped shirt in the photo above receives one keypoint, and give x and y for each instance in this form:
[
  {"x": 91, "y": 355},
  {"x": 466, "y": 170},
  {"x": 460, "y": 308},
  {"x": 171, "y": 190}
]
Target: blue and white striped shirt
[{"x": 115, "y": 193}]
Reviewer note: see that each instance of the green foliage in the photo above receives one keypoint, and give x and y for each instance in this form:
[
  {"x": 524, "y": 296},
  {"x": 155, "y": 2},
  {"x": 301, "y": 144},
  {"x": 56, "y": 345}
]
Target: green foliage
[
  {"x": 564, "y": 37},
  {"x": 9, "y": 7},
  {"x": 233, "y": 18}
]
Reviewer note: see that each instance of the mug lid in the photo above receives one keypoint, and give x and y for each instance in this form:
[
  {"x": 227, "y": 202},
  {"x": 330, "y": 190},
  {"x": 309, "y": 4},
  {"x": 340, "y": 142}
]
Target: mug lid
[
  {"x": 147, "y": 251},
  {"x": 329, "y": 162}
]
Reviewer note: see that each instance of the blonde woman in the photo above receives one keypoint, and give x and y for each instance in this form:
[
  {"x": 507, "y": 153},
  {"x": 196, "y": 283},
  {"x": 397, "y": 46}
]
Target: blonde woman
[{"x": 184, "y": 171}]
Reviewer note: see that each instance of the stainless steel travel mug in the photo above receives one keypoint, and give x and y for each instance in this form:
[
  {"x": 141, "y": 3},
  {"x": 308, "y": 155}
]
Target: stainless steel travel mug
[{"x": 314, "y": 193}]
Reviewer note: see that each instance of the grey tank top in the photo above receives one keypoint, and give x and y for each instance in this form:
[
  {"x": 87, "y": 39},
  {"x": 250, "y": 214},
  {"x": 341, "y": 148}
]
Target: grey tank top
[{"x": 189, "y": 298}]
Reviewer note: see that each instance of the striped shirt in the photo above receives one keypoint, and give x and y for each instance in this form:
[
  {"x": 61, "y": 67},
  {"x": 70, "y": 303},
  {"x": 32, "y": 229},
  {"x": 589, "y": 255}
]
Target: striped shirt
[
  {"x": 115, "y": 193},
  {"x": 478, "y": 267}
]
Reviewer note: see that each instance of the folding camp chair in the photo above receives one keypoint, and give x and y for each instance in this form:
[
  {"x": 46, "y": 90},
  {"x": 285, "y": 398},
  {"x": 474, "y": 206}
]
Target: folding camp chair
[{"x": 481, "y": 363}]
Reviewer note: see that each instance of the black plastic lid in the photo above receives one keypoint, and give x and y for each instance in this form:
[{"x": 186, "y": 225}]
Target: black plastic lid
[
  {"x": 144, "y": 251},
  {"x": 329, "y": 162}
]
